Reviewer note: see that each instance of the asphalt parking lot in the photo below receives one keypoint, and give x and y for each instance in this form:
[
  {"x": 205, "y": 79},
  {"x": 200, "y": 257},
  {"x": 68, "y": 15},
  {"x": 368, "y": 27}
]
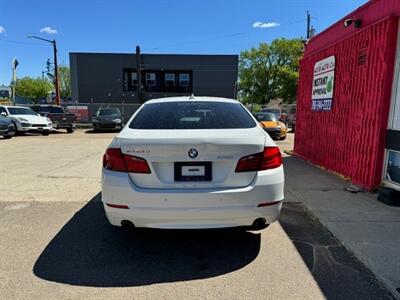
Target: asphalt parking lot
[{"x": 56, "y": 242}]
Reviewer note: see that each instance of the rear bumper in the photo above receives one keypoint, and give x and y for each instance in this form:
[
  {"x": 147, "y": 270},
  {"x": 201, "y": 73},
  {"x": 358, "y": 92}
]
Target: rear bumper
[
  {"x": 56, "y": 125},
  {"x": 107, "y": 126},
  {"x": 192, "y": 209}
]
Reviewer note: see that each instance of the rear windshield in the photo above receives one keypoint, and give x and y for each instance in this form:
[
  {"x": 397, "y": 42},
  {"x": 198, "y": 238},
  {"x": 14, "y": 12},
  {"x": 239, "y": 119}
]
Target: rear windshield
[
  {"x": 266, "y": 117},
  {"x": 192, "y": 115},
  {"x": 51, "y": 109}
]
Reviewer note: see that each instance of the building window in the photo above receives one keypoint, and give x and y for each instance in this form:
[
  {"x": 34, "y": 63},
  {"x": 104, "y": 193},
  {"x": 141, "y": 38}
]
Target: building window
[
  {"x": 169, "y": 79},
  {"x": 184, "y": 79},
  {"x": 129, "y": 80},
  {"x": 125, "y": 81},
  {"x": 134, "y": 78},
  {"x": 151, "y": 79}
]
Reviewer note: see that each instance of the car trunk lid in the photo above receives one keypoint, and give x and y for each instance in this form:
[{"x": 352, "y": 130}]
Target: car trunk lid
[{"x": 169, "y": 152}]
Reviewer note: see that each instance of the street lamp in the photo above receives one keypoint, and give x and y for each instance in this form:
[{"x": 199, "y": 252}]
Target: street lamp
[{"x": 56, "y": 81}]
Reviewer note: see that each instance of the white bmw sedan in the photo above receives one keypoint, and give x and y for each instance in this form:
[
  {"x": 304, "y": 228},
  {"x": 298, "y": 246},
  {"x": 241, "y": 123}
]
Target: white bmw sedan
[{"x": 192, "y": 163}]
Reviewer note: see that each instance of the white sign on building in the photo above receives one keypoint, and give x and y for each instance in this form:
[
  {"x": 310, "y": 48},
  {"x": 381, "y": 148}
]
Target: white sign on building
[{"x": 323, "y": 82}]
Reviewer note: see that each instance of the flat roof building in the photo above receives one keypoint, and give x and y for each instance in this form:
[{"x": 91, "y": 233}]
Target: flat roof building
[{"x": 114, "y": 77}]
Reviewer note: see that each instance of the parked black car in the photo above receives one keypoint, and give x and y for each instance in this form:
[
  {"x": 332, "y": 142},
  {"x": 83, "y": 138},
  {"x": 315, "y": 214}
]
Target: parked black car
[
  {"x": 108, "y": 119},
  {"x": 57, "y": 115},
  {"x": 7, "y": 128}
]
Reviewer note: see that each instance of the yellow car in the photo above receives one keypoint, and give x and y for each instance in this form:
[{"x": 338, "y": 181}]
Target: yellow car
[{"x": 274, "y": 127}]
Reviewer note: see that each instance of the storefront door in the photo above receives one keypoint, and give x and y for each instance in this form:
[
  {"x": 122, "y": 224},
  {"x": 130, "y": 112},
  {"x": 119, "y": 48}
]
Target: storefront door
[{"x": 392, "y": 161}]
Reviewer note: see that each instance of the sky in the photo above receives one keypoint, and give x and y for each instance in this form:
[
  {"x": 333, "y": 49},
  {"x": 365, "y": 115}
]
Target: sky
[{"x": 170, "y": 26}]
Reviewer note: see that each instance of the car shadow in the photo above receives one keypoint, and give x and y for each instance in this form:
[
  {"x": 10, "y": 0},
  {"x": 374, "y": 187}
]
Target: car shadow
[
  {"x": 60, "y": 131},
  {"x": 99, "y": 131},
  {"x": 23, "y": 134},
  {"x": 88, "y": 251}
]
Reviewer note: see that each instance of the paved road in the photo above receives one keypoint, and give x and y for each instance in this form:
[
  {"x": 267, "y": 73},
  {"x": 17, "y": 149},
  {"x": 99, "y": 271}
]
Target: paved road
[{"x": 56, "y": 243}]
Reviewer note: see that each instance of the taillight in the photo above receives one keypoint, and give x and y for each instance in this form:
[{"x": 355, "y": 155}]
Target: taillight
[
  {"x": 249, "y": 163},
  {"x": 269, "y": 159},
  {"x": 115, "y": 160},
  {"x": 136, "y": 164},
  {"x": 272, "y": 158}
]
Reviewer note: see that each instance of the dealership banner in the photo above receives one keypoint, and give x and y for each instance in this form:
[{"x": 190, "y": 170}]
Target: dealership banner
[
  {"x": 81, "y": 112},
  {"x": 322, "y": 87}
]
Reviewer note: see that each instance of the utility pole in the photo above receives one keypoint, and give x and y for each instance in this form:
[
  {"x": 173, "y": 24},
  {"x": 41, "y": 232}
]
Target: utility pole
[
  {"x": 139, "y": 73},
  {"x": 57, "y": 82},
  {"x": 308, "y": 25},
  {"x": 56, "y": 79},
  {"x": 15, "y": 64}
]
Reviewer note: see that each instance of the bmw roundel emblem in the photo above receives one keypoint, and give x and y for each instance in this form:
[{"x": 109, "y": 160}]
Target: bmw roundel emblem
[{"x": 193, "y": 153}]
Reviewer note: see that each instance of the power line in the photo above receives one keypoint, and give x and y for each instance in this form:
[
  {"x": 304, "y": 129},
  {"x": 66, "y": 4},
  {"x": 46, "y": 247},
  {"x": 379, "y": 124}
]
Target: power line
[
  {"x": 21, "y": 43},
  {"x": 219, "y": 37}
]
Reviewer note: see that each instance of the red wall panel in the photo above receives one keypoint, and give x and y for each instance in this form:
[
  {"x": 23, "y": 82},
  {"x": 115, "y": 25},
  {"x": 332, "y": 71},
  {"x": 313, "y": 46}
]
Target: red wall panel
[
  {"x": 370, "y": 13},
  {"x": 349, "y": 139}
]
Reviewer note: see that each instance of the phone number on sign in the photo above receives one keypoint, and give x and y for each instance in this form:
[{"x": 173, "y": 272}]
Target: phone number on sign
[{"x": 321, "y": 104}]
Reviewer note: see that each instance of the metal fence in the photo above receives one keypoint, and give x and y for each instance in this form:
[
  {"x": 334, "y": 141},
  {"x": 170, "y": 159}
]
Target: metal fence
[{"x": 85, "y": 111}]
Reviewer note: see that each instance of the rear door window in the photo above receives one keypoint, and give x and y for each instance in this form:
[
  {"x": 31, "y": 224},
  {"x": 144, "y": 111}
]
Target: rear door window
[{"x": 192, "y": 115}]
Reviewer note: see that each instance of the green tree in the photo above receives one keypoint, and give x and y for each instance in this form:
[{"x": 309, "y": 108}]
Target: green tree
[
  {"x": 270, "y": 71},
  {"x": 33, "y": 88},
  {"x": 65, "y": 81}
]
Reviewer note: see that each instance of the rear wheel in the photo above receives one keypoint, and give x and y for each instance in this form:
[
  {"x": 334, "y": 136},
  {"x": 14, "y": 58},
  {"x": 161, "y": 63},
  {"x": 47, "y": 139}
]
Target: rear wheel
[
  {"x": 46, "y": 132},
  {"x": 7, "y": 136},
  {"x": 70, "y": 130}
]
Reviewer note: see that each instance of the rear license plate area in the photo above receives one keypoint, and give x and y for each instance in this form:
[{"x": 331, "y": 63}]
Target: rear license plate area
[{"x": 192, "y": 171}]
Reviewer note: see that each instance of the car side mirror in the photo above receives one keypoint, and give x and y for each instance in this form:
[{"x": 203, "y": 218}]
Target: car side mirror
[{"x": 3, "y": 114}]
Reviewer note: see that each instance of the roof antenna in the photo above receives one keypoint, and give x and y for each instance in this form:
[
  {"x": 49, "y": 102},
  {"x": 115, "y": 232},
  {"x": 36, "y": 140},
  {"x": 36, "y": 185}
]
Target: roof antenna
[{"x": 191, "y": 97}]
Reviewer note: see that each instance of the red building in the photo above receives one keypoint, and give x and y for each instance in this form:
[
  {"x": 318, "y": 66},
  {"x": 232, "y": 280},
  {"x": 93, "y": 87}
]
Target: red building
[{"x": 348, "y": 106}]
